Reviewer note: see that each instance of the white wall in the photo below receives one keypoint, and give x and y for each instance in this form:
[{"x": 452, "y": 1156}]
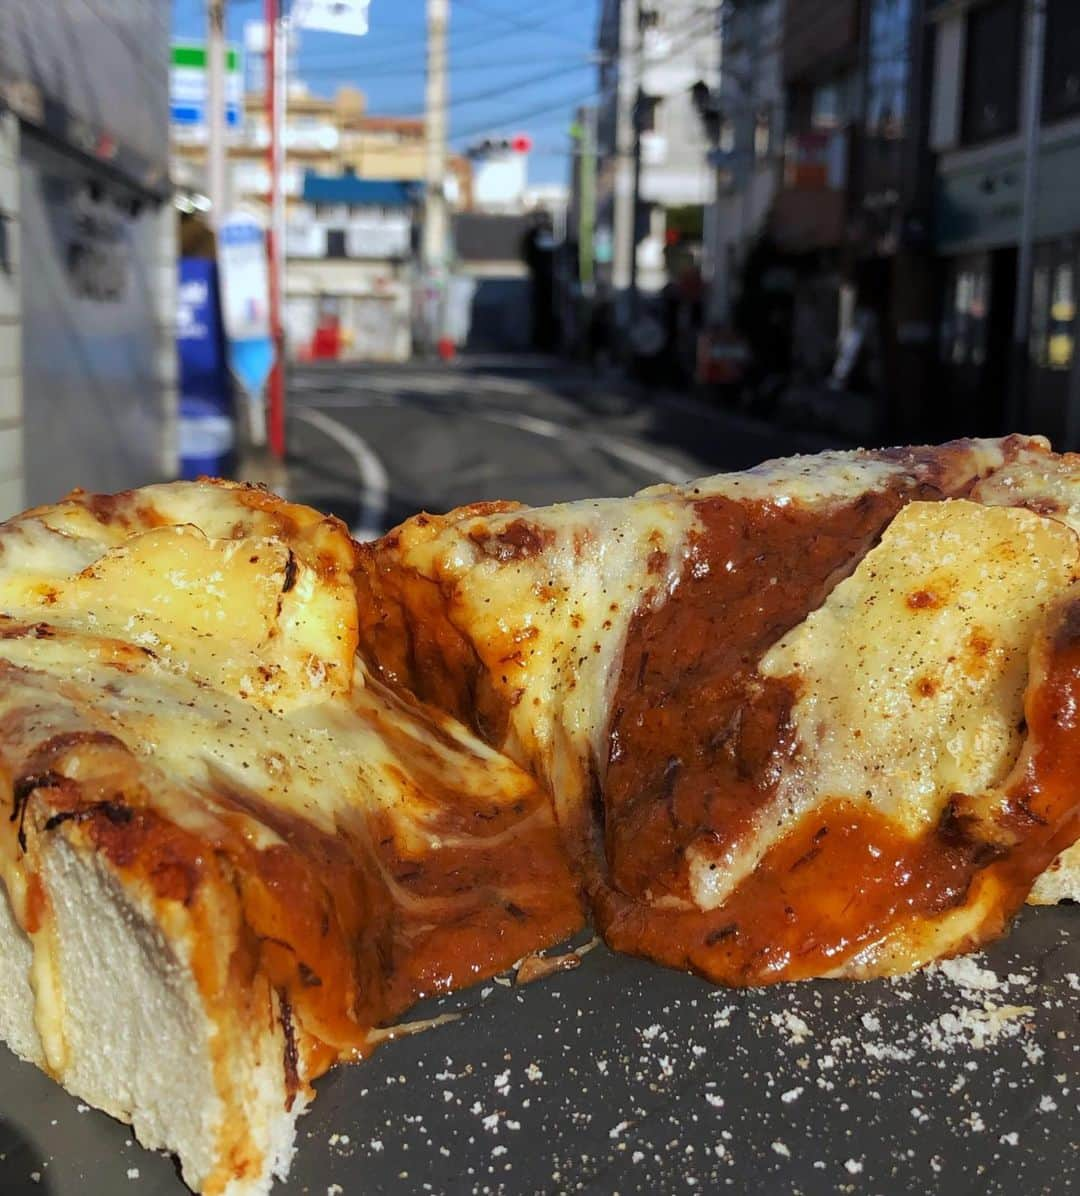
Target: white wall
[{"x": 356, "y": 286}]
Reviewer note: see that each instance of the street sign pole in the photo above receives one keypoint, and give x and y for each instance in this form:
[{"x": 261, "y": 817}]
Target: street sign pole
[
  {"x": 276, "y": 77},
  {"x": 435, "y": 249},
  {"x": 215, "y": 116}
]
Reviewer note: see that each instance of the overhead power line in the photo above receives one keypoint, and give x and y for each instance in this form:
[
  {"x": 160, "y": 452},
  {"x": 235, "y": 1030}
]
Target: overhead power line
[
  {"x": 514, "y": 84},
  {"x": 679, "y": 43},
  {"x": 384, "y": 70},
  {"x": 488, "y": 37},
  {"x": 541, "y": 27}
]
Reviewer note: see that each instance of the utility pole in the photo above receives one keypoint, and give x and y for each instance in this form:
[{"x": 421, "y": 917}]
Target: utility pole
[
  {"x": 1036, "y": 42},
  {"x": 276, "y": 82},
  {"x": 436, "y": 223},
  {"x": 216, "y": 162},
  {"x": 639, "y": 117},
  {"x": 587, "y": 198}
]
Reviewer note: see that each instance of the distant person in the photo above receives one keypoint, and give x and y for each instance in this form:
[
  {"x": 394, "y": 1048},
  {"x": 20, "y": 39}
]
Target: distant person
[
  {"x": 538, "y": 250},
  {"x": 600, "y": 327}
]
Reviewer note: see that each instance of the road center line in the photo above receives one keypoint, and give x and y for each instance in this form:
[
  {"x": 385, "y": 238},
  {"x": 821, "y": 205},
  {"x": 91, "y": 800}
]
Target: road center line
[
  {"x": 651, "y": 463},
  {"x": 370, "y": 471}
]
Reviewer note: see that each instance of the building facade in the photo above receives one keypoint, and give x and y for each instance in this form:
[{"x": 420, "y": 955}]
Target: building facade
[
  {"x": 348, "y": 287},
  {"x": 749, "y": 140},
  {"x": 87, "y": 250},
  {"x": 983, "y": 130},
  {"x": 652, "y": 151},
  {"x": 324, "y": 135}
]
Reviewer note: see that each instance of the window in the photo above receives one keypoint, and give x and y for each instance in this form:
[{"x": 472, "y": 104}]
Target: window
[
  {"x": 1061, "y": 70},
  {"x": 991, "y": 103},
  {"x": 647, "y": 109},
  {"x": 1040, "y": 313},
  {"x": 825, "y": 106},
  {"x": 1051, "y": 338},
  {"x": 1059, "y": 340},
  {"x": 964, "y": 330},
  {"x": 887, "y": 67},
  {"x": 335, "y": 242},
  {"x": 762, "y": 133}
]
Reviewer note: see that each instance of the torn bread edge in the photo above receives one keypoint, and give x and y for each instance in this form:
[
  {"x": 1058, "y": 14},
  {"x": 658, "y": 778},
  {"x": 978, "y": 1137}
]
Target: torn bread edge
[{"x": 105, "y": 998}]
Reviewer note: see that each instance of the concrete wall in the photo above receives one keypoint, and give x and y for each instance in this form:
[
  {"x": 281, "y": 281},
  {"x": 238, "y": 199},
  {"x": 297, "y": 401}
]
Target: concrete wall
[
  {"x": 97, "y": 330},
  {"x": 96, "y": 67},
  {"x": 87, "y": 292}
]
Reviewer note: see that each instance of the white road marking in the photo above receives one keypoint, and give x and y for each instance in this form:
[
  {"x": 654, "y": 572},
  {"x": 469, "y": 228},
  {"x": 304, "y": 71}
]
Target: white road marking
[
  {"x": 374, "y": 480},
  {"x": 651, "y": 463}
]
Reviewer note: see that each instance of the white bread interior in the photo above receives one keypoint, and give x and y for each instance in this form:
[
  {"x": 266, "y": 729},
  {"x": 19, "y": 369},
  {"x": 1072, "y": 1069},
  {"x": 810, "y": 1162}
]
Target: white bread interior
[
  {"x": 137, "y": 1038},
  {"x": 1060, "y": 882}
]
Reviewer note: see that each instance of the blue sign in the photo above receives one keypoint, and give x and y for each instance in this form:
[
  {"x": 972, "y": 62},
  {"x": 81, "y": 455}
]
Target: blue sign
[
  {"x": 206, "y": 420},
  {"x": 193, "y": 115}
]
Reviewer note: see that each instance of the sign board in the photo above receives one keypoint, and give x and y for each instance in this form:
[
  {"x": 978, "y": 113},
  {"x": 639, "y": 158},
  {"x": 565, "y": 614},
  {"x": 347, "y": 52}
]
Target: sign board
[
  {"x": 245, "y": 307},
  {"x": 331, "y": 16},
  {"x": 245, "y": 277},
  {"x": 188, "y": 86}
]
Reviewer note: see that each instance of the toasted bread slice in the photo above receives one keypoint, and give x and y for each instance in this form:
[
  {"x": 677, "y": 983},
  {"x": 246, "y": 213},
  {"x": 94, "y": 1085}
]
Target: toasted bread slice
[{"x": 230, "y": 853}]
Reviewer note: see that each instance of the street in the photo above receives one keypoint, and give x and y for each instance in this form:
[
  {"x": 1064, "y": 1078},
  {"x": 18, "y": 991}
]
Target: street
[{"x": 374, "y": 444}]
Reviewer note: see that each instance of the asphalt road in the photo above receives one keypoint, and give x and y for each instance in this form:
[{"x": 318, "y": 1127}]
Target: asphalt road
[{"x": 374, "y": 444}]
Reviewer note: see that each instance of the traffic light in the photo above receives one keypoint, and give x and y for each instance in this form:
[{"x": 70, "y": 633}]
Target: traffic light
[{"x": 490, "y": 147}]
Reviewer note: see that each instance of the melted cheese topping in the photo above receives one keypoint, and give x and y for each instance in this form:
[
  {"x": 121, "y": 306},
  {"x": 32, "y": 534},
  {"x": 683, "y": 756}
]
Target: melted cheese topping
[
  {"x": 546, "y": 598},
  {"x": 911, "y": 677},
  {"x": 839, "y": 475},
  {"x": 203, "y": 579}
]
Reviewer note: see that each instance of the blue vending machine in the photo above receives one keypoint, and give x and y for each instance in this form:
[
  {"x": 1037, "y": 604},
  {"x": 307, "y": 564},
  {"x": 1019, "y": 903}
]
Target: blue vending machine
[{"x": 207, "y": 433}]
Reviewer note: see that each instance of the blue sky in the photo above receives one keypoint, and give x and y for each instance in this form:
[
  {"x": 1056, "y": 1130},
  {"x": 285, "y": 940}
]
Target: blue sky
[{"x": 526, "y": 62}]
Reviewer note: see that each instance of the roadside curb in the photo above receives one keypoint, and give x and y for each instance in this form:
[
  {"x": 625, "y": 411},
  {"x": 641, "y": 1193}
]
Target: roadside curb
[{"x": 260, "y": 468}]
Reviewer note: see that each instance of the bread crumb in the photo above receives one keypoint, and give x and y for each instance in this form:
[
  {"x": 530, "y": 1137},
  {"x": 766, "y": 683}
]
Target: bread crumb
[
  {"x": 798, "y": 1031},
  {"x": 966, "y": 972}
]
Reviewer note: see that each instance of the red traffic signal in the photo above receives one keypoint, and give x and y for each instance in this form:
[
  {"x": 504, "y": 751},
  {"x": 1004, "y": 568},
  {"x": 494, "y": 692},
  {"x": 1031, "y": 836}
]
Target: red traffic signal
[{"x": 521, "y": 143}]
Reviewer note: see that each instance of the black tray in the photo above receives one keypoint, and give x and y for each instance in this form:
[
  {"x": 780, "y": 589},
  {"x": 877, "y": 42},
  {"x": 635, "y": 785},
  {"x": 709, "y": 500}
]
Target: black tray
[{"x": 624, "y": 1077}]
